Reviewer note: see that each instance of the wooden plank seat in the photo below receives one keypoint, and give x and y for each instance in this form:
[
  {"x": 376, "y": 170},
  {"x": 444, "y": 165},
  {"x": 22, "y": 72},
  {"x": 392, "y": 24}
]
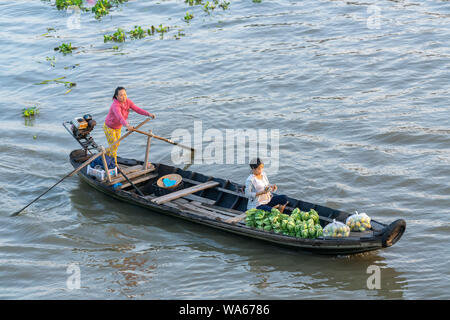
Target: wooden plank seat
[
  {"x": 198, "y": 205},
  {"x": 186, "y": 191},
  {"x": 240, "y": 194},
  {"x": 131, "y": 175},
  {"x": 130, "y": 169},
  {"x": 192, "y": 206},
  {"x": 138, "y": 180},
  {"x": 193, "y": 197},
  {"x": 229, "y": 215}
]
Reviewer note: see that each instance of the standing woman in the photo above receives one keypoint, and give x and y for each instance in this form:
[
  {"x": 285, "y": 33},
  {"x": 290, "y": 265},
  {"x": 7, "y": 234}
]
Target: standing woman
[{"x": 117, "y": 117}]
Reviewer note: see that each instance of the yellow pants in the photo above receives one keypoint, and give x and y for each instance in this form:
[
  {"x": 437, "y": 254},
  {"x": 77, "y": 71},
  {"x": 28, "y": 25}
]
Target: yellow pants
[{"x": 112, "y": 135}]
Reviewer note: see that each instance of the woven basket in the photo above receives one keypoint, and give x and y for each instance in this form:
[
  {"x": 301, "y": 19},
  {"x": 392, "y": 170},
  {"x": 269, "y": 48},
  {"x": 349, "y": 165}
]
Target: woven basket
[
  {"x": 172, "y": 176},
  {"x": 160, "y": 189}
]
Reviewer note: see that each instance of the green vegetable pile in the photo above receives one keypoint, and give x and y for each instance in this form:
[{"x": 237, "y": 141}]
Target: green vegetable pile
[{"x": 299, "y": 224}]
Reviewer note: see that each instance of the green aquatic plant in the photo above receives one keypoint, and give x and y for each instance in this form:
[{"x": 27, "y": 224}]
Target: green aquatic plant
[
  {"x": 47, "y": 34},
  {"x": 257, "y": 1},
  {"x": 188, "y": 17},
  {"x": 162, "y": 29},
  {"x": 118, "y": 36},
  {"x": 151, "y": 31},
  {"x": 102, "y": 7},
  {"x": 209, "y": 6},
  {"x": 64, "y": 4},
  {"x": 179, "y": 35},
  {"x": 224, "y": 5},
  {"x": 67, "y": 84},
  {"x": 193, "y": 2},
  {"x": 137, "y": 33},
  {"x": 52, "y": 60},
  {"x": 65, "y": 48},
  {"x": 30, "y": 112}
]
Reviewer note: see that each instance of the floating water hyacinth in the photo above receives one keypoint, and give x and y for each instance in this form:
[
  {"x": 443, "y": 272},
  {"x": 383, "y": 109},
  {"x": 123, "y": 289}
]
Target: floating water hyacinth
[
  {"x": 162, "y": 29},
  {"x": 193, "y": 2},
  {"x": 64, "y": 4},
  {"x": 100, "y": 9},
  {"x": 30, "y": 112},
  {"x": 188, "y": 17},
  {"x": 209, "y": 5},
  {"x": 65, "y": 48},
  {"x": 137, "y": 33},
  {"x": 118, "y": 36}
]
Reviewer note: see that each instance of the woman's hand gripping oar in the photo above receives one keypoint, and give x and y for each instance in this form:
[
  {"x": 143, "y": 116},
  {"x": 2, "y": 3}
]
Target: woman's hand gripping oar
[{"x": 84, "y": 164}]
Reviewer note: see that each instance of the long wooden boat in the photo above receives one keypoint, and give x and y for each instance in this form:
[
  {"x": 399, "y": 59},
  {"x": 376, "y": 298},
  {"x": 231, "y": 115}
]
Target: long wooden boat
[{"x": 220, "y": 203}]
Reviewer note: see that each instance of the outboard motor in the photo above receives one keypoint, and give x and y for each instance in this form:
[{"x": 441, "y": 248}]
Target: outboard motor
[
  {"x": 82, "y": 126},
  {"x": 80, "y": 129}
]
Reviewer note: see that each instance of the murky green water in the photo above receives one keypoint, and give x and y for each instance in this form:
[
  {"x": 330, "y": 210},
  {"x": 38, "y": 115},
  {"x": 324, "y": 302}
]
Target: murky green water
[{"x": 359, "y": 95}]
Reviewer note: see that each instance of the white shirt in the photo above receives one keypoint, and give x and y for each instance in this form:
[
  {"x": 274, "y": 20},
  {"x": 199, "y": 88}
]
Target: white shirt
[{"x": 254, "y": 185}]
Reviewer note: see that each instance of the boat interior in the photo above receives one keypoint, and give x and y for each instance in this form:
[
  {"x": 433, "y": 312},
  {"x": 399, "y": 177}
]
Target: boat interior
[{"x": 212, "y": 197}]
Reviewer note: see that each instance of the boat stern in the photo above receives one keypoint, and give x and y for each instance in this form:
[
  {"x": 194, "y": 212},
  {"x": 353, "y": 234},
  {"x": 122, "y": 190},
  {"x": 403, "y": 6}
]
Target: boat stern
[{"x": 393, "y": 232}]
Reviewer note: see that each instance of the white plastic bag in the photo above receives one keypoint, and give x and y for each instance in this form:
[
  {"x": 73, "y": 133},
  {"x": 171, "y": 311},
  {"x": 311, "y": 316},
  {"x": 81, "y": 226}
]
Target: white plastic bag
[
  {"x": 336, "y": 229},
  {"x": 358, "y": 222}
]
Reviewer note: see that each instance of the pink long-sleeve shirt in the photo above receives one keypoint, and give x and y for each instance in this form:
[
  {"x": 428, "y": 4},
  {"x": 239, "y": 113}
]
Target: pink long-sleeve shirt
[{"x": 118, "y": 113}]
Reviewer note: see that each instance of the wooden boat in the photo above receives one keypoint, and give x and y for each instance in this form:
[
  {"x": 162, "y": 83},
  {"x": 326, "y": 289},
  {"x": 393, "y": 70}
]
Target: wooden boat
[{"x": 221, "y": 204}]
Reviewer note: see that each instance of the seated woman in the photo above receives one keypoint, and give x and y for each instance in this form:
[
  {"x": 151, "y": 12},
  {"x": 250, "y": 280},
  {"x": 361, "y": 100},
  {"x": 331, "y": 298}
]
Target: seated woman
[{"x": 258, "y": 190}]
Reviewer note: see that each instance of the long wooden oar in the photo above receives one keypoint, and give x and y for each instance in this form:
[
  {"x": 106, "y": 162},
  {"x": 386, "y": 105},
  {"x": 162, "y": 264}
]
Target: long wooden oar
[
  {"x": 84, "y": 164},
  {"x": 163, "y": 139},
  {"x": 67, "y": 175}
]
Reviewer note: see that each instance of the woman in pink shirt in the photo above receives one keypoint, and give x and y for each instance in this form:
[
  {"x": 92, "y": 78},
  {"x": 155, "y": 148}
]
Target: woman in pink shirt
[{"x": 117, "y": 117}]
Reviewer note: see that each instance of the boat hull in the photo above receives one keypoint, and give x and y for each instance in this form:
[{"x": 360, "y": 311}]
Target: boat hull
[{"x": 385, "y": 236}]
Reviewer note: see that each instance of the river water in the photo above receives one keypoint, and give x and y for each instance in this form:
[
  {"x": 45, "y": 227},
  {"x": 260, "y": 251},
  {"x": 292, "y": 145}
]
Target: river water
[{"x": 356, "y": 93}]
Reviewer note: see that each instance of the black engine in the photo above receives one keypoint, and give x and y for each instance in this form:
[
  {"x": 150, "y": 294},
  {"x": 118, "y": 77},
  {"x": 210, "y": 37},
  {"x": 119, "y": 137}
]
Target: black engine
[{"x": 80, "y": 128}]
